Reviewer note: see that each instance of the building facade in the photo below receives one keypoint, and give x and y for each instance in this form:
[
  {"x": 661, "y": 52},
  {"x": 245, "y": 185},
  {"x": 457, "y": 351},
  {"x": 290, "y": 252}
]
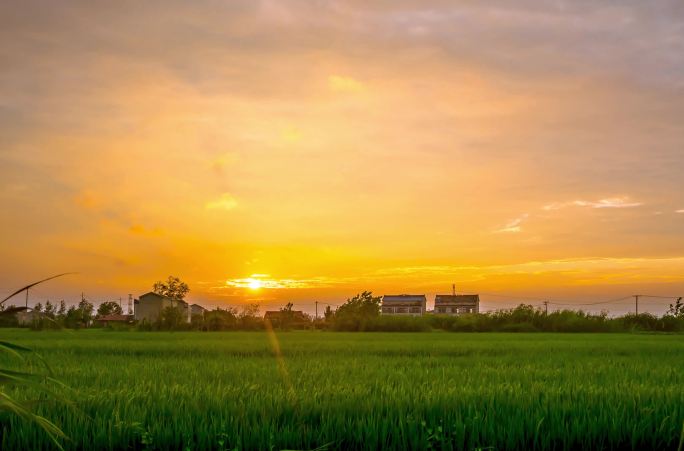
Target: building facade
[
  {"x": 403, "y": 304},
  {"x": 457, "y": 304},
  {"x": 28, "y": 317},
  {"x": 150, "y": 305},
  {"x": 196, "y": 309}
]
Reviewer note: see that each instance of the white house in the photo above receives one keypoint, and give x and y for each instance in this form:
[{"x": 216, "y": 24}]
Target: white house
[{"x": 403, "y": 304}]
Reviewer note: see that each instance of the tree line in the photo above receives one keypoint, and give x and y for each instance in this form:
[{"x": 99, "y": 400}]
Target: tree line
[{"x": 359, "y": 313}]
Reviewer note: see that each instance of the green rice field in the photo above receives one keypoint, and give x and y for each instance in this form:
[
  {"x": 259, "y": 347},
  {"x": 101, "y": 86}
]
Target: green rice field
[{"x": 326, "y": 390}]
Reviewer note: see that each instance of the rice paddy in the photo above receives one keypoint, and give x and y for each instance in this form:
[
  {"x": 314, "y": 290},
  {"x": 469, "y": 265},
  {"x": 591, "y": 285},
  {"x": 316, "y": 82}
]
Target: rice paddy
[{"x": 325, "y": 390}]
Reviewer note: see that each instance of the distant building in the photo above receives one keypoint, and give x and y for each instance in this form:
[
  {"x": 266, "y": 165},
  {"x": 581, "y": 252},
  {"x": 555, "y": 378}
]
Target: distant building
[
  {"x": 28, "y": 317},
  {"x": 457, "y": 304},
  {"x": 403, "y": 304},
  {"x": 150, "y": 306},
  {"x": 114, "y": 318},
  {"x": 196, "y": 309}
]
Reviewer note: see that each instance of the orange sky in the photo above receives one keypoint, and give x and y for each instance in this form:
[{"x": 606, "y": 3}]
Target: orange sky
[{"x": 327, "y": 148}]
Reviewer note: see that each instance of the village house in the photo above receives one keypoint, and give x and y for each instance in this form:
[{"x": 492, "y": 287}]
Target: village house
[
  {"x": 196, "y": 309},
  {"x": 28, "y": 317},
  {"x": 403, "y": 304},
  {"x": 457, "y": 304},
  {"x": 150, "y": 305}
]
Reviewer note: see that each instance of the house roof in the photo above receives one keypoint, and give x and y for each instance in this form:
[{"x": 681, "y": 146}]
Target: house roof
[
  {"x": 403, "y": 298},
  {"x": 198, "y": 306},
  {"x": 114, "y": 317},
  {"x": 442, "y": 299}
]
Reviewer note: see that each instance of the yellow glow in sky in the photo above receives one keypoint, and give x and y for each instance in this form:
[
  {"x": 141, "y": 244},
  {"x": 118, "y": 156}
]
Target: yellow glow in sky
[{"x": 312, "y": 151}]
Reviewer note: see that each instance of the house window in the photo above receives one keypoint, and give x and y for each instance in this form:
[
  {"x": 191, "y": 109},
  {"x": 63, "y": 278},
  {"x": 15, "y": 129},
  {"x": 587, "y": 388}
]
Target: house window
[
  {"x": 387, "y": 310},
  {"x": 402, "y": 310},
  {"x": 415, "y": 309}
]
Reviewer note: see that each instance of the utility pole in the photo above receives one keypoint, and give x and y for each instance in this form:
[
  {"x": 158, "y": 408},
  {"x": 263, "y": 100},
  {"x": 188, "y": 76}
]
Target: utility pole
[
  {"x": 120, "y": 303},
  {"x": 317, "y": 310},
  {"x": 636, "y": 303},
  {"x": 546, "y": 307},
  {"x": 130, "y": 304},
  {"x": 27, "y": 298}
]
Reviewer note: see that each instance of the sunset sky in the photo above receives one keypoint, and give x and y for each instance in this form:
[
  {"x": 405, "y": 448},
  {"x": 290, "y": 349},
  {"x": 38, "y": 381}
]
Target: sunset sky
[{"x": 322, "y": 148}]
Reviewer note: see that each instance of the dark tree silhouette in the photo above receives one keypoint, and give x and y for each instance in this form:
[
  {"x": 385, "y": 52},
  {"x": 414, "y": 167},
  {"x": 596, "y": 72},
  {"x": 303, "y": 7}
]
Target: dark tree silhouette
[{"x": 173, "y": 288}]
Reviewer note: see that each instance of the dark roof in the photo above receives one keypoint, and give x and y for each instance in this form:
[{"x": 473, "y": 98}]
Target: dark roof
[
  {"x": 197, "y": 305},
  {"x": 403, "y": 298},
  {"x": 457, "y": 299},
  {"x": 114, "y": 317}
]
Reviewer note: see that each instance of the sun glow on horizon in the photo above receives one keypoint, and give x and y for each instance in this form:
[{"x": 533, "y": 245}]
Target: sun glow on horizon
[{"x": 254, "y": 284}]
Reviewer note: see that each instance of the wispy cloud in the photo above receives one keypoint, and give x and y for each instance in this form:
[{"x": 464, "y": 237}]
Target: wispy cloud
[
  {"x": 339, "y": 83},
  {"x": 679, "y": 211},
  {"x": 258, "y": 281},
  {"x": 225, "y": 202},
  {"x": 610, "y": 202},
  {"x": 514, "y": 225},
  {"x": 577, "y": 271}
]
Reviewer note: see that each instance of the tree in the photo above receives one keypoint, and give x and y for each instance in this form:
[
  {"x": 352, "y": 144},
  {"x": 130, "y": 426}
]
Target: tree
[
  {"x": 220, "y": 319},
  {"x": 356, "y": 311},
  {"x": 286, "y": 316},
  {"x": 249, "y": 317},
  {"x": 72, "y": 318},
  {"x": 677, "y": 309},
  {"x": 62, "y": 308},
  {"x": 109, "y": 307},
  {"x": 172, "y": 318},
  {"x": 173, "y": 288},
  {"x": 363, "y": 305},
  {"x": 50, "y": 310},
  {"x": 328, "y": 314},
  {"x": 84, "y": 312},
  {"x": 38, "y": 307}
]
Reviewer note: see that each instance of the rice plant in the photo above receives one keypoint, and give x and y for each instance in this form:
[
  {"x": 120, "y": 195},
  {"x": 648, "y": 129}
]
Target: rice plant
[
  {"x": 36, "y": 382},
  {"x": 323, "y": 390}
]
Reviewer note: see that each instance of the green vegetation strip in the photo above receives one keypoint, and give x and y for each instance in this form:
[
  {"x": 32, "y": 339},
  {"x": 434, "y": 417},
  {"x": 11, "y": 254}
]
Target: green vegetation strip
[{"x": 138, "y": 390}]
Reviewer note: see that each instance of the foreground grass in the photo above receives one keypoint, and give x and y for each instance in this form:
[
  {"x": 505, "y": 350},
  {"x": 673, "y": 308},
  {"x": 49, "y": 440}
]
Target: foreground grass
[{"x": 359, "y": 391}]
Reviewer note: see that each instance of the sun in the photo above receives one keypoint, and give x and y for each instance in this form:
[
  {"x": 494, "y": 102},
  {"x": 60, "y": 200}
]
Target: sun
[{"x": 254, "y": 284}]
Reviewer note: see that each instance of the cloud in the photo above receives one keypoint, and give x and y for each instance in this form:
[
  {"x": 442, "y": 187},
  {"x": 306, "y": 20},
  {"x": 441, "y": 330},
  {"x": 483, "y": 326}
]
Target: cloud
[
  {"x": 574, "y": 271},
  {"x": 610, "y": 202},
  {"x": 257, "y": 281},
  {"x": 679, "y": 211},
  {"x": 514, "y": 225},
  {"x": 339, "y": 83},
  {"x": 225, "y": 202}
]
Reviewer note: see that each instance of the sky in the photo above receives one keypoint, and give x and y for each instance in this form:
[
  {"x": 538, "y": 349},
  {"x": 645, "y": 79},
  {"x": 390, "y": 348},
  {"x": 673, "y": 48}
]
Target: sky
[{"x": 308, "y": 150}]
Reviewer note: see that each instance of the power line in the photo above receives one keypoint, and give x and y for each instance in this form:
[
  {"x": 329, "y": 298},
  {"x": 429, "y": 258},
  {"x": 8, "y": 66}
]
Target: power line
[{"x": 593, "y": 303}]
